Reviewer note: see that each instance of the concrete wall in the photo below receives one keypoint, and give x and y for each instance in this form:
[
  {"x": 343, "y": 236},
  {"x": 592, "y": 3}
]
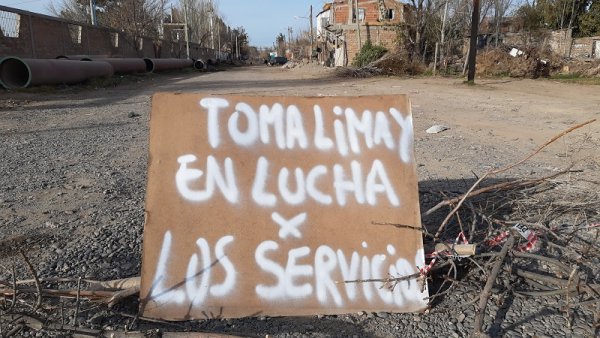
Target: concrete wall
[
  {"x": 560, "y": 41},
  {"x": 588, "y": 47},
  {"x": 41, "y": 36}
]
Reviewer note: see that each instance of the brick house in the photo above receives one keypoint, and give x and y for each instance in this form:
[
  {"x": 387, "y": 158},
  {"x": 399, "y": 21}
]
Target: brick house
[{"x": 340, "y": 36}]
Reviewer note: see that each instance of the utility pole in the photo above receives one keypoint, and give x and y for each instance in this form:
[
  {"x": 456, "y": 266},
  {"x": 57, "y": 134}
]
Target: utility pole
[
  {"x": 441, "y": 44},
  {"x": 357, "y": 24},
  {"x": 93, "y": 12},
  {"x": 443, "y": 33},
  {"x": 311, "y": 34},
  {"x": 185, "y": 25},
  {"x": 212, "y": 32},
  {"x": 289, "y": 40},
  {"x": 473, "y": 42},
  {"x": 219, "y": 37},
  {"x": 497, "y": 17},
  {"x": 161, "y": 28}
]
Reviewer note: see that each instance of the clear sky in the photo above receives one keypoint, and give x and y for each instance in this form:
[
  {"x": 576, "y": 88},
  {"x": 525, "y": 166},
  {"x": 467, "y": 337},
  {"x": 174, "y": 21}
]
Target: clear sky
[{"x": 262, "y": 19}]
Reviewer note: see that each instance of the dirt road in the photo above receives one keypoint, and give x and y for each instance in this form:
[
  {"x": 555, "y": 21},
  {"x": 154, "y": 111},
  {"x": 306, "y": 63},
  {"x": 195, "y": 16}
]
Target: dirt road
[{"x": 74, "y": 161}]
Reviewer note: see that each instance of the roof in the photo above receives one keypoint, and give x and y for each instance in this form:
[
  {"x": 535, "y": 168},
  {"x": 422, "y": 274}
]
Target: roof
[{"x": 326, "y": 8}]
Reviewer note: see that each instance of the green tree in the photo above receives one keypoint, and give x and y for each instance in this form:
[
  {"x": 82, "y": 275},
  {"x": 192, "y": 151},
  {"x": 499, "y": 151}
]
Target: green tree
[
  {"x": 589, "y": 22},
  {"x": 530, "y": 17},
  {"x": 558, "y": 14},
  {"x": 242, "y": 40},
  {"x": 280, "y": 43}
]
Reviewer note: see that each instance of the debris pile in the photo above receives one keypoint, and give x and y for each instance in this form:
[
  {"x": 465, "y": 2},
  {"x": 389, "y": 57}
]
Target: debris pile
[
  {"x": 392, "y": 63},
  {"x": 586, "y": 68},
  {"x": 528, "y": 62},
  {"x": 531, "y": 238}
]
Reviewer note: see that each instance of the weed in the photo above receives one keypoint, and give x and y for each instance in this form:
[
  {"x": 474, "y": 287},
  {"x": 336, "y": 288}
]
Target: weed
[{"x": 368, "y": 53}]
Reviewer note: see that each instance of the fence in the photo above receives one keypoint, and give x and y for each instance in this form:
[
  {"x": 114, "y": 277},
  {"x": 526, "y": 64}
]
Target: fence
[{"x": 31, "y": 35}]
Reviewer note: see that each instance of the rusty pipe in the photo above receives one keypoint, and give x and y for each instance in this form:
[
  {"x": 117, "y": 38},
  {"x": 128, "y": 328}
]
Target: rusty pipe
[
  {"x": 123, "y": 66},
  {"x": 22, "y": 73},
  {"x": 158, "y": 65},
  {"x": 199, "y": 64},
  {"x": 80, "y": 57}
]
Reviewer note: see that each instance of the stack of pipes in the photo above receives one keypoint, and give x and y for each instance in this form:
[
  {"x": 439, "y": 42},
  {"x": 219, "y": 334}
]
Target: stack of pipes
[{"x": 69, "y": 69}]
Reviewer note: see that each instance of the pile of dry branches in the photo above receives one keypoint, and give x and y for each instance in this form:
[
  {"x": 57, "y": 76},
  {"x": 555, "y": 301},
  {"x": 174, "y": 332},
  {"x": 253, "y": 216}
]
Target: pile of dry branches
[{"x": 540, "y": 233}]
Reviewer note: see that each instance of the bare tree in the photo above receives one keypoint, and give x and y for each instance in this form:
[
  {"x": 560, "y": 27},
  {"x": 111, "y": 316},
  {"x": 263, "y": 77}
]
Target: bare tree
[
  {"x": 78, "y": 11},
  {"x": 202, "y": 20},
  {"x": 136, "y": 18},
  {"x": 500, "y": 9}
]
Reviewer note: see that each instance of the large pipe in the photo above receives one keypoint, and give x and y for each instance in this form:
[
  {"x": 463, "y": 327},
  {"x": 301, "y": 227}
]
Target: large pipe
[
  {"x": 157, "y": 65},
  {"x": 79, "y": 57},
  {"x": 199, "y": 64},
  {"x": 22, "y": 73},
  {"x": 123, "y": 66}
]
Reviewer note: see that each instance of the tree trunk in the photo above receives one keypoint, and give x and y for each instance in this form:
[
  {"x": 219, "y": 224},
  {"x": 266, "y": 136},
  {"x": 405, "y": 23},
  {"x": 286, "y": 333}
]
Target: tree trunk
[{"x": 473, "y": 42}]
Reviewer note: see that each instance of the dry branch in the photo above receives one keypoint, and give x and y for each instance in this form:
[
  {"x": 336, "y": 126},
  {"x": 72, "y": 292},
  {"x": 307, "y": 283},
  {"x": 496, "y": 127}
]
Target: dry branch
[
  {"x": 38, "y": 324},
  {"x": 487, "y": 290},
  {"x": 38, "y": 286},
  {"x": 117, "y": 284},
  {"x": 499, "y": 186},
  {"x": 92, "y": 295},
  {"x": 503, "y": 169},
  {"x": 120, "y": 295}
]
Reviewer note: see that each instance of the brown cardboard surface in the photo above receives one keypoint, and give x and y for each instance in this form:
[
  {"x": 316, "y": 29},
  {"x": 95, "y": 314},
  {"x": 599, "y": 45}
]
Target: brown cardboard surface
[{"x": 264, "y": 206}]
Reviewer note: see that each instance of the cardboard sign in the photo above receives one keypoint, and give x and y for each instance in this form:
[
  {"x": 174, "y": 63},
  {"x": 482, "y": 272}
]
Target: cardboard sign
[{"x": 264, "y": 206}]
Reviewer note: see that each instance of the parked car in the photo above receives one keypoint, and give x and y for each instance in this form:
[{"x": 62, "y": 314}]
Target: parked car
[{"x": 278, "y": 60}]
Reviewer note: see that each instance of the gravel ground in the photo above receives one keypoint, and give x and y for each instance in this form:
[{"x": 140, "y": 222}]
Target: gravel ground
[{"x": 73, "y": 176}]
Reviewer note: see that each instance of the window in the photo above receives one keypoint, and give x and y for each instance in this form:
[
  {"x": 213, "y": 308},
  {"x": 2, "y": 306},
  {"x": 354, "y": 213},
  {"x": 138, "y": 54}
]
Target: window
[
  {"x": 75, "y": 33},
  {"x": 114, "y": 39},
  {"x": 9, "y": 24},
  {"x": 324, "y": 21},
  {"x": 389, "y": 14},
  {"x": 361, "y": 15}
]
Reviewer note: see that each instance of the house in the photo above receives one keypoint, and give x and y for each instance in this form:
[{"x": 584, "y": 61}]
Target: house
[{"x": 343, "y": 26}]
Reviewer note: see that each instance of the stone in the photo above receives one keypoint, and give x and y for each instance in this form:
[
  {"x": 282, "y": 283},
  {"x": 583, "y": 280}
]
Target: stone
[{"x": 436, "y": 129}]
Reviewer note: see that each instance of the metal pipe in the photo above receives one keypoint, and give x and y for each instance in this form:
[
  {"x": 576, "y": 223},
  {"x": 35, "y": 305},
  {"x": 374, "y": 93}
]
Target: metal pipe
[
  {"x": 199, "y": 64},
  {"x": 123, "y": 66},
  {"x": 158, "y": 65},
  {"x": 79, "y": 57},
  {"x": 22, "y": 73}
]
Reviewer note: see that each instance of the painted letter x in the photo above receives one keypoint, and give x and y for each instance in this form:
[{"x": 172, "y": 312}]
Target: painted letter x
[{"x": 289, "y": 227}]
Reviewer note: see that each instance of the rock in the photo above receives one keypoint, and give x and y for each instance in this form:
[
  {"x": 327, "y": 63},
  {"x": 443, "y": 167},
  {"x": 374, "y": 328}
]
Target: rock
[
  {"x": 438, "y": 128},
  {"x": 132, "y": 114},
  {"x": 383, "y": 314}
]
